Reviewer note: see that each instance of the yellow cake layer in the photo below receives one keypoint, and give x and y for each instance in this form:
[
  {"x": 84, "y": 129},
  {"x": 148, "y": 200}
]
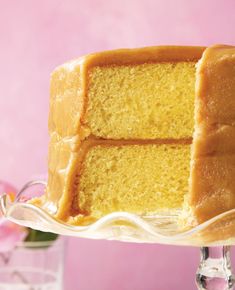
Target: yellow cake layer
[
  {"x": 133, "y": 178},
  {"x": 144, "y": 101}
]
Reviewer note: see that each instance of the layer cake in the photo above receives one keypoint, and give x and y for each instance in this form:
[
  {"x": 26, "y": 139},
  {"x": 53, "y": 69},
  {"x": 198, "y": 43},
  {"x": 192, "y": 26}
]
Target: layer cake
[{"x": 142, "y": 131}]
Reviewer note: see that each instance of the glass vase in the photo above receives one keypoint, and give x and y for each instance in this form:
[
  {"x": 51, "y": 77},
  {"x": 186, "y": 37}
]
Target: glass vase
[{"x": 33, "y": 266}]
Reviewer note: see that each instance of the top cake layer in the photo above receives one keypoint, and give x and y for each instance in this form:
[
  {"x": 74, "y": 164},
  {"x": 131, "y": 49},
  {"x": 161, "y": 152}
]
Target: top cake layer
[
  {"x": 143, "y": 93},
  {"x": 144, "y": 101}
]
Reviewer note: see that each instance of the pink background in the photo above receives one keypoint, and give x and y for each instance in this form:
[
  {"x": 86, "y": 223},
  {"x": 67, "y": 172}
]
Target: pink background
[{"x": 36, "y": 36}]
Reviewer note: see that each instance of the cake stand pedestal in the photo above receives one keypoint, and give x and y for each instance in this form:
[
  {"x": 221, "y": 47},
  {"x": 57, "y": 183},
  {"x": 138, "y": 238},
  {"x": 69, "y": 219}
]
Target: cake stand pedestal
[{"x": 214, "y": 271}]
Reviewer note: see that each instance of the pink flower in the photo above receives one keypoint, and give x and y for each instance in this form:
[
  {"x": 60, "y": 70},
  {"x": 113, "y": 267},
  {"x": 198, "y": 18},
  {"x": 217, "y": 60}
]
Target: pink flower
[{"x": 10, "y": 233}]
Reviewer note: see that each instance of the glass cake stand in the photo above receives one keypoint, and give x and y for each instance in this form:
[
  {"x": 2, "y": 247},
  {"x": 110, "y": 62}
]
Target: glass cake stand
[{"x": 214, "y": 271}]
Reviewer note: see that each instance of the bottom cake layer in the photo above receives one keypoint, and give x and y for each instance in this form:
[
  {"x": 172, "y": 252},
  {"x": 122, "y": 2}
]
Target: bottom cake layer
[{"x": 141, "y": 179}]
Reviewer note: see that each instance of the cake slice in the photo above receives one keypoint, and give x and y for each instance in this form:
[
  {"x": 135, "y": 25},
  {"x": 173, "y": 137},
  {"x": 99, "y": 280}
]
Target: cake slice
[{"x": 121, "y": 126}]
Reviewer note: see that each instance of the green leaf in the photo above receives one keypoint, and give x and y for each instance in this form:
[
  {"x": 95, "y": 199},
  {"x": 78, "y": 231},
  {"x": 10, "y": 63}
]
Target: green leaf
[{"x": 38, "y": 236}]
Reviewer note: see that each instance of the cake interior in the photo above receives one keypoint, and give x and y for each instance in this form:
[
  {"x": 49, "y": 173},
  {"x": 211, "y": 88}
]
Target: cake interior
[
  {"x": 133, "y": 178},
  {"x": 145, "y": 101},
  {"x": 152, "y": 104}
]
